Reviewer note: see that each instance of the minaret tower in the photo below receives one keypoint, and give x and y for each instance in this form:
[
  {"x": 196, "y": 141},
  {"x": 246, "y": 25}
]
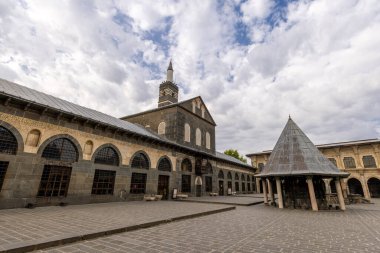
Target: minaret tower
[{"x": 168, "y": 89}]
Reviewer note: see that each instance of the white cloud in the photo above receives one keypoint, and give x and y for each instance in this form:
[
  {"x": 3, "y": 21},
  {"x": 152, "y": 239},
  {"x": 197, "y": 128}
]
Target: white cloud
[{"x": 320, "y": 64}]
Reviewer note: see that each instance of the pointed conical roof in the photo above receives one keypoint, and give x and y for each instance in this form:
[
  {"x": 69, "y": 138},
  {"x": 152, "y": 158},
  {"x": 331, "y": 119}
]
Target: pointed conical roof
[
  {"x": 170, "y": 67},
  {"x": 294, "y": 155}
]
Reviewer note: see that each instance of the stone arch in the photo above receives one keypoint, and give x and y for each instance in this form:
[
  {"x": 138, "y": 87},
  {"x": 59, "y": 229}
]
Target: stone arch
[
  {"x": 59, "y": 136},
  {"x": 33, "y": 138},
  {"x": 229, "y": 175},
  {"x": 186, "y": 165},
  {"x": 164, "y": 164},
  {"x": 221, "y": 174},
  {"x": 236, "y": 177},
  {"x": 198, "y": 137},
  {"x": 374, "y": 187},
  {"x": 161, "y": 128},
  {"x": 187, "y": 135},
  {"x": 88, "y": 147},
  {"x": 61, "y": 149},
  {"x": 355, "y": 186},
  {"x": 139, "y": 153},
  {"x": 107, "y": 145},
  {"x": 16, "y": 134}
]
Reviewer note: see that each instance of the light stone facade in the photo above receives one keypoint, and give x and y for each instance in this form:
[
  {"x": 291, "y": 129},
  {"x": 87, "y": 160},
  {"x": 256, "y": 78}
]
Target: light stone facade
[{"x": 367, "y": 176}]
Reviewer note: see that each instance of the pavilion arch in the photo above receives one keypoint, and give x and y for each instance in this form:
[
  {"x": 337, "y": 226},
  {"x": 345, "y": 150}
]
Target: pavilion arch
[
  {"x": 355, "y": 186},
  {"x": 33, "y": 138},
  {"x": 104, "y": 147},
  {"x": 15, "y": 133},
  {"x": 374, "y": 187},
  {"x": 59, "y": 136},
  {"x": 139, "y": 159},
  {"x": 186, "y": 165},
  {"x": 164, "y": 164}
]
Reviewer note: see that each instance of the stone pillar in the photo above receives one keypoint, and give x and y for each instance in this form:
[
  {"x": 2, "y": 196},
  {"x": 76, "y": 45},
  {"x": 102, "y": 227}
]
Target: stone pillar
[
  {"x": 265, "y": 191},
  {"x": 270, "y": 190},
  {"x": 313, "y": 200},
  {"x": 343, "y": 185},
  {"x": 364, "y": 186},
  {"x": 340, "y": 194},
  {"x": 279, "y": 193}
]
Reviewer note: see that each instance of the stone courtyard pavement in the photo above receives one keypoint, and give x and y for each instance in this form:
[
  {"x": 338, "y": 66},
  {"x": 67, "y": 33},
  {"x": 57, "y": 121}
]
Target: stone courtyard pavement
[
  {"x": 24, "y": 228},
  {"x": 251, "y": 229}
]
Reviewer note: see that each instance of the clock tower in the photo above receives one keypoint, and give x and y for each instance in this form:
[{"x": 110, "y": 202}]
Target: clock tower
[{"x": 168, "y": 89}]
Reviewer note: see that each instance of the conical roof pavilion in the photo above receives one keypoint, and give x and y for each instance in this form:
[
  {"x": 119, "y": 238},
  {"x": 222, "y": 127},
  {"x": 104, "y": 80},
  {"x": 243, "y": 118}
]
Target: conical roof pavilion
[{"x": 295, "y": 155}]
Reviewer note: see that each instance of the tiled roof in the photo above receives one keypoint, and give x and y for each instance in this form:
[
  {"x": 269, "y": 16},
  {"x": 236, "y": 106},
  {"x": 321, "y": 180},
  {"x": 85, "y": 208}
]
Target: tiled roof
[
  {"x": 294, "y": 154},
  {"x": 36, "y": 97}
]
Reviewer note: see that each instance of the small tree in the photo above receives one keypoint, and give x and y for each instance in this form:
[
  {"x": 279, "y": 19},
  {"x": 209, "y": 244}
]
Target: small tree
[{"x": 235, "y": 153}]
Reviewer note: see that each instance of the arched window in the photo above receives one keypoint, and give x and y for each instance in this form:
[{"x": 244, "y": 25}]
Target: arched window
[
  {"x": 140, "y": 161},
  {"x": 333, "y": 161},
  {"x": 161, "y": 128},
  {"x": 208, "y": 168},
  {"x": 61, "y": 149},
  {"x": 236, "y": 177},
  {"x": 221, "y": 175},
  {"x": 8, "y": 142},
  {"x": 107, "y": 156},
  {"x": 229, "y": 176},
  {"x": 369, "y": 161},
  {"x": 208, "y": 141},
  {"x": 248, "y": 178},
  {"x": 349, "y": 163},
  {"x": 33, "y": 138},
  {"x": 88, "y": 147},
  {"x": 198, "y": 137},
  {"x": 242, "y": 177},
  {"x": 186, "y": 165},
  {"x": 164, "y": 164},
  {"x": 187, "y": 133}
]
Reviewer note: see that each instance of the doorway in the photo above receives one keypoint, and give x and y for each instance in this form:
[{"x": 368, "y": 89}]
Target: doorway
[
  {"x": 221, "y": 188},
  {"x": 163, "y": 186}
]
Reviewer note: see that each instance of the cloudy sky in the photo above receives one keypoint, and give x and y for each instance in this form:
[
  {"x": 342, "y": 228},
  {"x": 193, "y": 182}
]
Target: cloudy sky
[{"x": 254, "y": 62}]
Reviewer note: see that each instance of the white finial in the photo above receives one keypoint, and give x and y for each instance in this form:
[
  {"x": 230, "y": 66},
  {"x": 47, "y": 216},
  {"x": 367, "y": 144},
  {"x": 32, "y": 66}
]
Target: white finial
[{"x": 169, "y": 73}]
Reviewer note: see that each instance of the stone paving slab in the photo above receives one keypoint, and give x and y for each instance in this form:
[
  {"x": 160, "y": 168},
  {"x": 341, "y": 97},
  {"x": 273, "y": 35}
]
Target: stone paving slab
[
  {"x": 251, "y": 229},
  {"x": 24, "y": 230},
  {"x": 227, "y": 200}
]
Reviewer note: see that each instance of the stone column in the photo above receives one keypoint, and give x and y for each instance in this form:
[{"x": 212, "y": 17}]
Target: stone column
[
  {"x": 265, "y": 191},
  {"x": 340, "y": 194},
  {"x": 279, "y": 193},
  {"x": 313, "y": 200},
  {"x": 364, "y": 186},
  {"x": 270, "y": 190}
]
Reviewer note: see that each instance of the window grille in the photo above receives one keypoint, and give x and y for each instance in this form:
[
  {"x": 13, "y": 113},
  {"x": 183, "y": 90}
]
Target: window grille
[
  {"x": 333, "y": 161},
  {"x": 186, "y": 183},
  {"x": 138, "y": 183},
  {"x": 369, "y": 161},
  {"x": 3, "y": 171},
  {"x": 208, "y": 184},
  {"x": 140, "y": 161},
  {"x": 8, "y": 142},
  {"x": 61, "y": 149},
  {"x": 208, "y": 168},
  {"x": 107, "y": 156},
  {"x": 54, "y": 181},
  {"x": 186, "y": 165},
  {"x": 349, "y": 163},
  {"x": 236, "y": 176},
  {"x": 229, "y": 175},
  {"x": 242, "y": 177},
  {"x": 104, "y": 182},
  {"x": 221, "y": 175},
  {"x": 164, "y": 165}
]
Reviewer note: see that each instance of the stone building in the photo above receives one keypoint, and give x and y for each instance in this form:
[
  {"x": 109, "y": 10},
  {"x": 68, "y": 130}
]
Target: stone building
[
  {"x": 53, "y": 151},
  {"x": 360, "y": 158}
]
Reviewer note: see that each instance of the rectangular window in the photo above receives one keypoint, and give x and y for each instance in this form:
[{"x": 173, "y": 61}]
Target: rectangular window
[
  {"x": 249, "y": 186},
  {"x": 138, "y": 183},
  {"x": 369, "y": 161},
  {"x": 3, "y": 170},
  {"x": 55, "y": 181},
  {"x": 104, "y": 182},
  {"x": 243, "y": 187},
  {"x": 237, "y": 186},
  {"x": 349, "y": 163},
  {"x": 186, "y": 183},
  {"x": 208, "y": 187}
]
